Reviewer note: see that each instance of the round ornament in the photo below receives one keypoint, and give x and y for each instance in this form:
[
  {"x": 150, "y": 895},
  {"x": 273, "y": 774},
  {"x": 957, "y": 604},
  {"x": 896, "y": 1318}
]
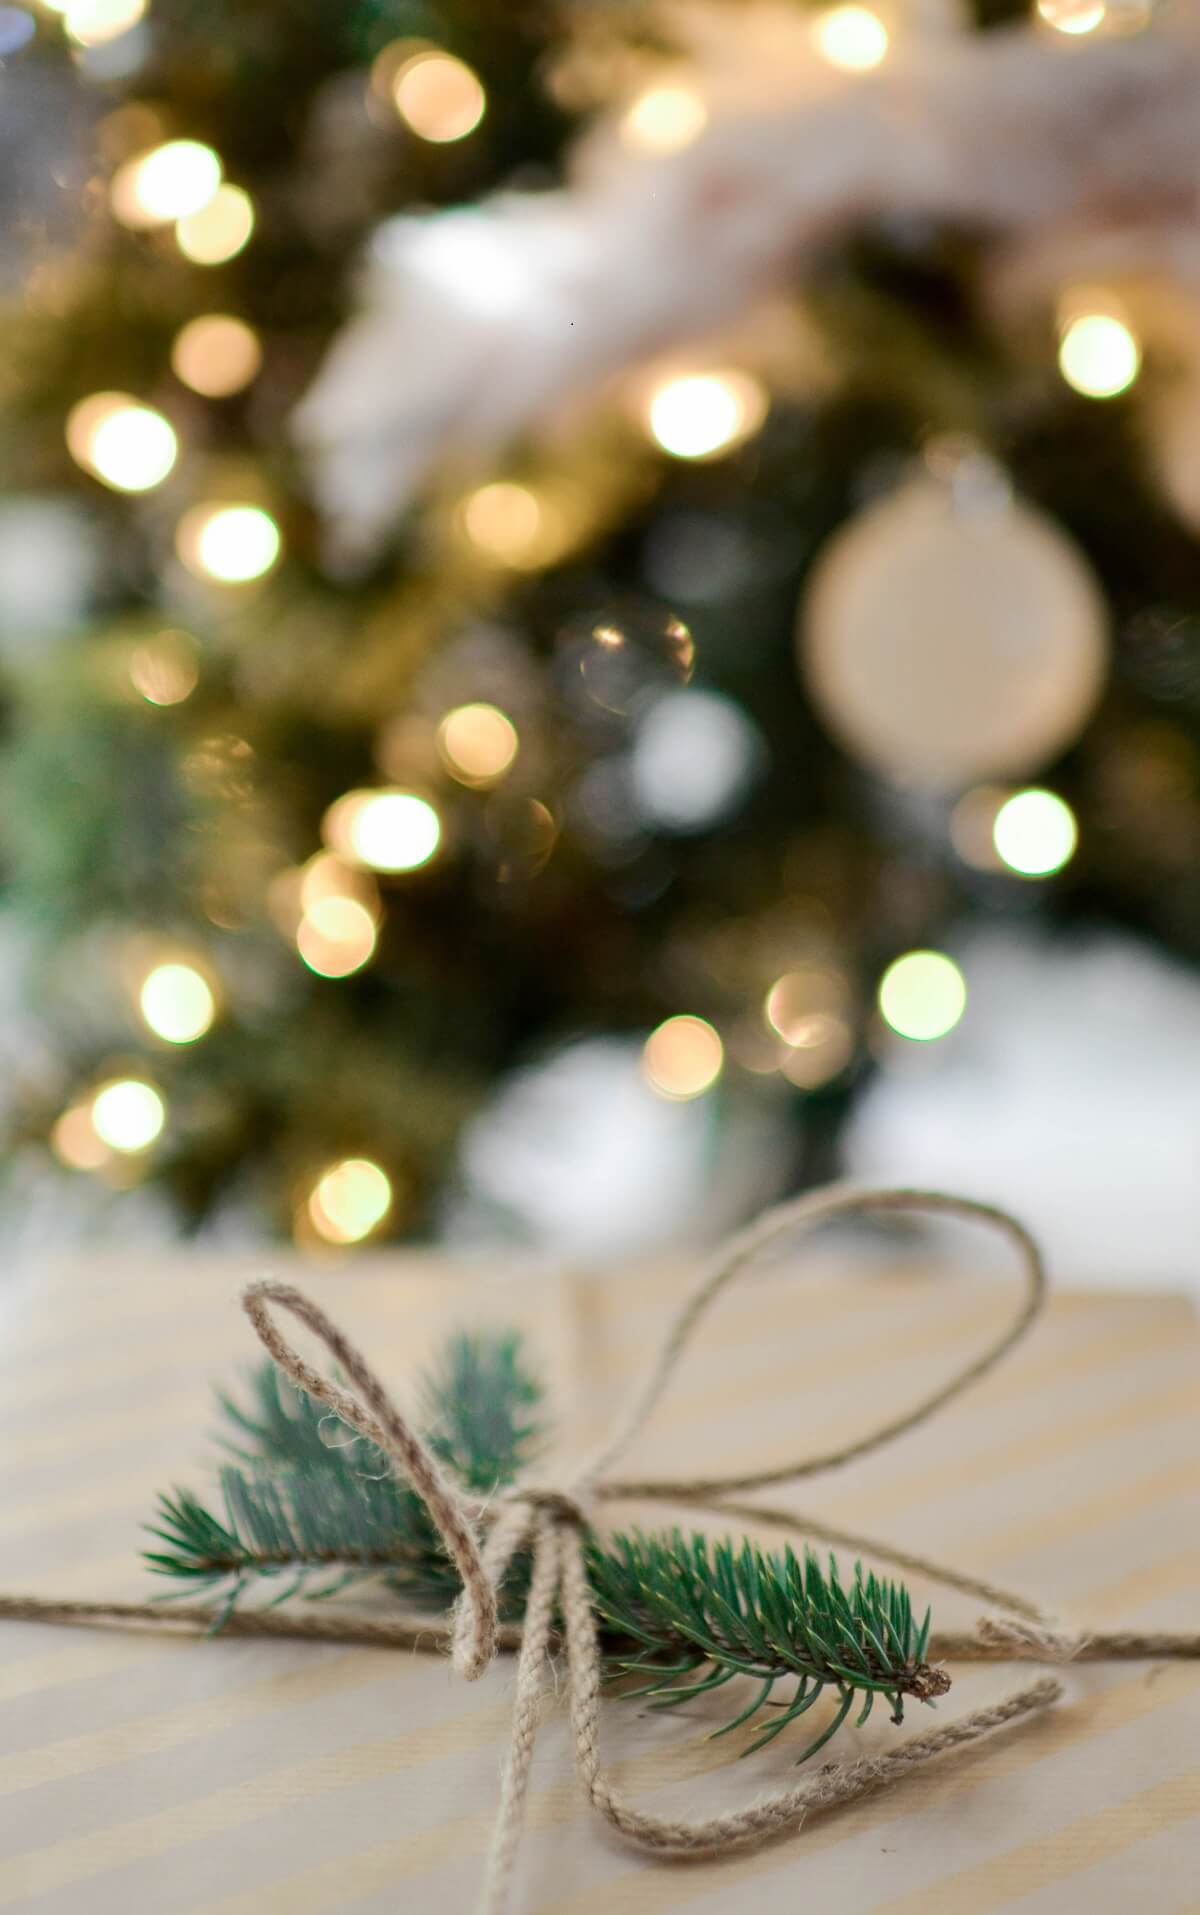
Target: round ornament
[{"x": 947, "y": 637}]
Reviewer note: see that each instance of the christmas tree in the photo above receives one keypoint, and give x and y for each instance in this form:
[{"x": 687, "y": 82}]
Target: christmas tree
[{"x": 561, "y": 559}]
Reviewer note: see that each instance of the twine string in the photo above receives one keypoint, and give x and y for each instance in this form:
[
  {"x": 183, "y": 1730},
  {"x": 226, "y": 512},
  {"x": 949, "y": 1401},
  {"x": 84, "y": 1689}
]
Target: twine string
[
  {"x": 551, "y": 1521},
  {"x": 793, "y": 1220},
  {"x": 372, "y": 1413}
]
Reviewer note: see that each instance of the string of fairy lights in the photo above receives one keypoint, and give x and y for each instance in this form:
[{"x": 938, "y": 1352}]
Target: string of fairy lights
[{"x": 807, "y": 1027}]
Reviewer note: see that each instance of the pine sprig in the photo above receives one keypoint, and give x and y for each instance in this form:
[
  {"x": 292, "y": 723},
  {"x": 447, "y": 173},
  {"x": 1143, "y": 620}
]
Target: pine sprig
[
  {"x": 308, "y": 1500},
  {"x": 309, "y": 1504},
  {"x": 688, "y": 1608}
]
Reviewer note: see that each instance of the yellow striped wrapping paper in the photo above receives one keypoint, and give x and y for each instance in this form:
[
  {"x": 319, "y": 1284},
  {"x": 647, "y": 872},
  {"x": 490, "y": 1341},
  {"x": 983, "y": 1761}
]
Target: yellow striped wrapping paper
[{"x": 171, "y": 1775}]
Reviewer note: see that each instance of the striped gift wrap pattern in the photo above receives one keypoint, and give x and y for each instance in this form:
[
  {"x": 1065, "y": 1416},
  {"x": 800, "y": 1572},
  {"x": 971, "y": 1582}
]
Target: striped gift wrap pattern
[{"x": 169, "y": 1775}]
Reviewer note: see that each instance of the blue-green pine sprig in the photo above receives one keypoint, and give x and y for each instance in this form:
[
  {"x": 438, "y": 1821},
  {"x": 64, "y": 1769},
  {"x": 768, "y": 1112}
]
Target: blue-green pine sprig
[{"x": 308, "y": 1504}]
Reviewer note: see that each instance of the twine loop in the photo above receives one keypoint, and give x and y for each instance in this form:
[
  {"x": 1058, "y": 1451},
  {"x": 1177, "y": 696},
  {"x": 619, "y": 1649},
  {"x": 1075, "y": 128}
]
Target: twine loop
[{"x": 551, "y": 1521}]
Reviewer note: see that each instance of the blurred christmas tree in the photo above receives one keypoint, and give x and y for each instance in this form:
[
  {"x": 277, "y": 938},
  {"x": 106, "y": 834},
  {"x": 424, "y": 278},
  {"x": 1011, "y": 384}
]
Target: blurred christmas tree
[{"x": 319, "y": 824}]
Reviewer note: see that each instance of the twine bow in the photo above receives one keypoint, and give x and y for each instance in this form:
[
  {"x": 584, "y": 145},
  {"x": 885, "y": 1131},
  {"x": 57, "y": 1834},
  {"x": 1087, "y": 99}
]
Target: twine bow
[{"x": 551, "y": 1520}]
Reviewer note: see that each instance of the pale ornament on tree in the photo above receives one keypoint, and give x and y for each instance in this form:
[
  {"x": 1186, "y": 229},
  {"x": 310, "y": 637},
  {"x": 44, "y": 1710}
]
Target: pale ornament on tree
[{"x": 950, "y": 633}]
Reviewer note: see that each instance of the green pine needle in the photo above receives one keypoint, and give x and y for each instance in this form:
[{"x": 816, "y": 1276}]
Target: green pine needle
[
  {"x": 308, "y": 1500},
  {"x": 673, "y": 1608},
  {"x": 310, "y": 1506}
]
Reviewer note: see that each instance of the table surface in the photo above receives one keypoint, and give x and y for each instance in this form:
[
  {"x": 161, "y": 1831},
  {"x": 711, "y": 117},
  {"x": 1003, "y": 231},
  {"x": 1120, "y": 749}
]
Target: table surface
[{"x": 189, "y": 1777}]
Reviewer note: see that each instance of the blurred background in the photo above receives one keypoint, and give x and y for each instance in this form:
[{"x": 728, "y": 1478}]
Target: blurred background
[{"x": 599, "y": 619}]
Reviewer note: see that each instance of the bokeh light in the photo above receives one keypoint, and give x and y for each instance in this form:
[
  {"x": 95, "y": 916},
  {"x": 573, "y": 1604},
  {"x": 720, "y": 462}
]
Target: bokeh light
[
  {"x": 523, "y": 831},
  {"x": 694, "y": 759},
  {"x": 439, "y": 97},
  {"x": 1072, "y": 16},
  {"x": 1035, "y": 833},
  {"x": 336, "y": 936},
  {"x": 850, "y": 37},
  {"x": 922, "y": 995},
  {"x": 625, "y": 660},
  {"x": 350, "y": 1200},
  {"x": 478, "y": 743},
  {"x": 810, "y": 1010},
  {"x": 1099, "y": 356},
  {"x": 125, "y": 444},
  {"x": 385, "y": 830},
  {"x": 178, "y": 1003},
  {"x": 682, "y": 1058},
  {"x": 128, "y": 1114},
  {"x": 75, "y": 1140},
  {"x": 171, "y": 182},
  {"x": 232, "y": 544},
  {"x": 702, "y": 415},
  {"x": 92, "y": 23},
  {"x": 826, "y": 1050},
  {"x": 216, "y": 355},
  {"x": 798, "y": 1001},
  {"x": 17, "y": 29},
  {"x": 506, "y": 521},
  {"x": 219, "y": 230},
  {"x": 664, "y": 119},
  {"x": 163, "y": 669},
  {"x": 325, "y": 876}
]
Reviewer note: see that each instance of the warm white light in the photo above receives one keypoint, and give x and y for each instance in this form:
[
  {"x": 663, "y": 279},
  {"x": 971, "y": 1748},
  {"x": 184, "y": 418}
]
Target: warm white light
[
  {"x": 384, "y": 830},
  {"x": 1072, "y": 16},
  {"x": 127, "y": 445},
  {"x": 128, "y": 1114},
  {"x": 809, "y": 1010},
  {"x": 505, "y": 521},
  {"x": 219, "y": 230},
  {"x": 439, "y": 97},
  {"x": 704, "y": 414},
  {"x": 74, "y": 1140},
  {"x": 825, "y": 1050},
  {"x": 216, "y": 355},
  {"x": 664, "y": 120},
  {"x": 1035, "y": 833},
  {"x": 850, "y": 37},
  {"x": 92, "y": 23},
  {"x": 922, "y": 995},
  {"x": 336, "y": 936},
  {"x": 164, "y": 669},
  {"x": 478, "y": 743},
  {"x": 230, "y": 543},
  {"x": 1099, "y": 356},
  {"x": 172, "y": 181},
  {"x": 325, "y": 876},
  {"x": 799, "y": 1002},
  {"x": 682, "y": 1058},
  {"x": 177, "y": 1003},
  {"x": 350, "y": 1200}
]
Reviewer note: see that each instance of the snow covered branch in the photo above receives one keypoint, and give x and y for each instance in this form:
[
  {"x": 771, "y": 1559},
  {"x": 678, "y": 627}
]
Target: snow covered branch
[{"x": 478, "y": 324}]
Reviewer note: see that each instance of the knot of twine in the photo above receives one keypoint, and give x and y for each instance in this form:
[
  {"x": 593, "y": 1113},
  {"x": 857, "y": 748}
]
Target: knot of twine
[{"x": 551, "y": 1520}]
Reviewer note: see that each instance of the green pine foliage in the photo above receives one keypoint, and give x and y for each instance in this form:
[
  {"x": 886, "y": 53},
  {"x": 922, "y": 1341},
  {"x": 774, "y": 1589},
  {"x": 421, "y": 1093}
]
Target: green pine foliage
[
  {"x": 309, "y": 1505},
  {"x": 697, "y": 1614}
]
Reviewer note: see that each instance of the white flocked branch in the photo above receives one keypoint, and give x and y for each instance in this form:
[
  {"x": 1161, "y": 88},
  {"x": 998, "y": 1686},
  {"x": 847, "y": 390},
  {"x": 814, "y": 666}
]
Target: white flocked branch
[{"x": 478, "y": 324}]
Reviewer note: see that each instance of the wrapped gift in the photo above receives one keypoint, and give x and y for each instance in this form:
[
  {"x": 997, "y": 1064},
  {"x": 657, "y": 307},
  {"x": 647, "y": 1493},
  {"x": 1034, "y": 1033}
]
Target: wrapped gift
[{"x": 169, "y": 1772}]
